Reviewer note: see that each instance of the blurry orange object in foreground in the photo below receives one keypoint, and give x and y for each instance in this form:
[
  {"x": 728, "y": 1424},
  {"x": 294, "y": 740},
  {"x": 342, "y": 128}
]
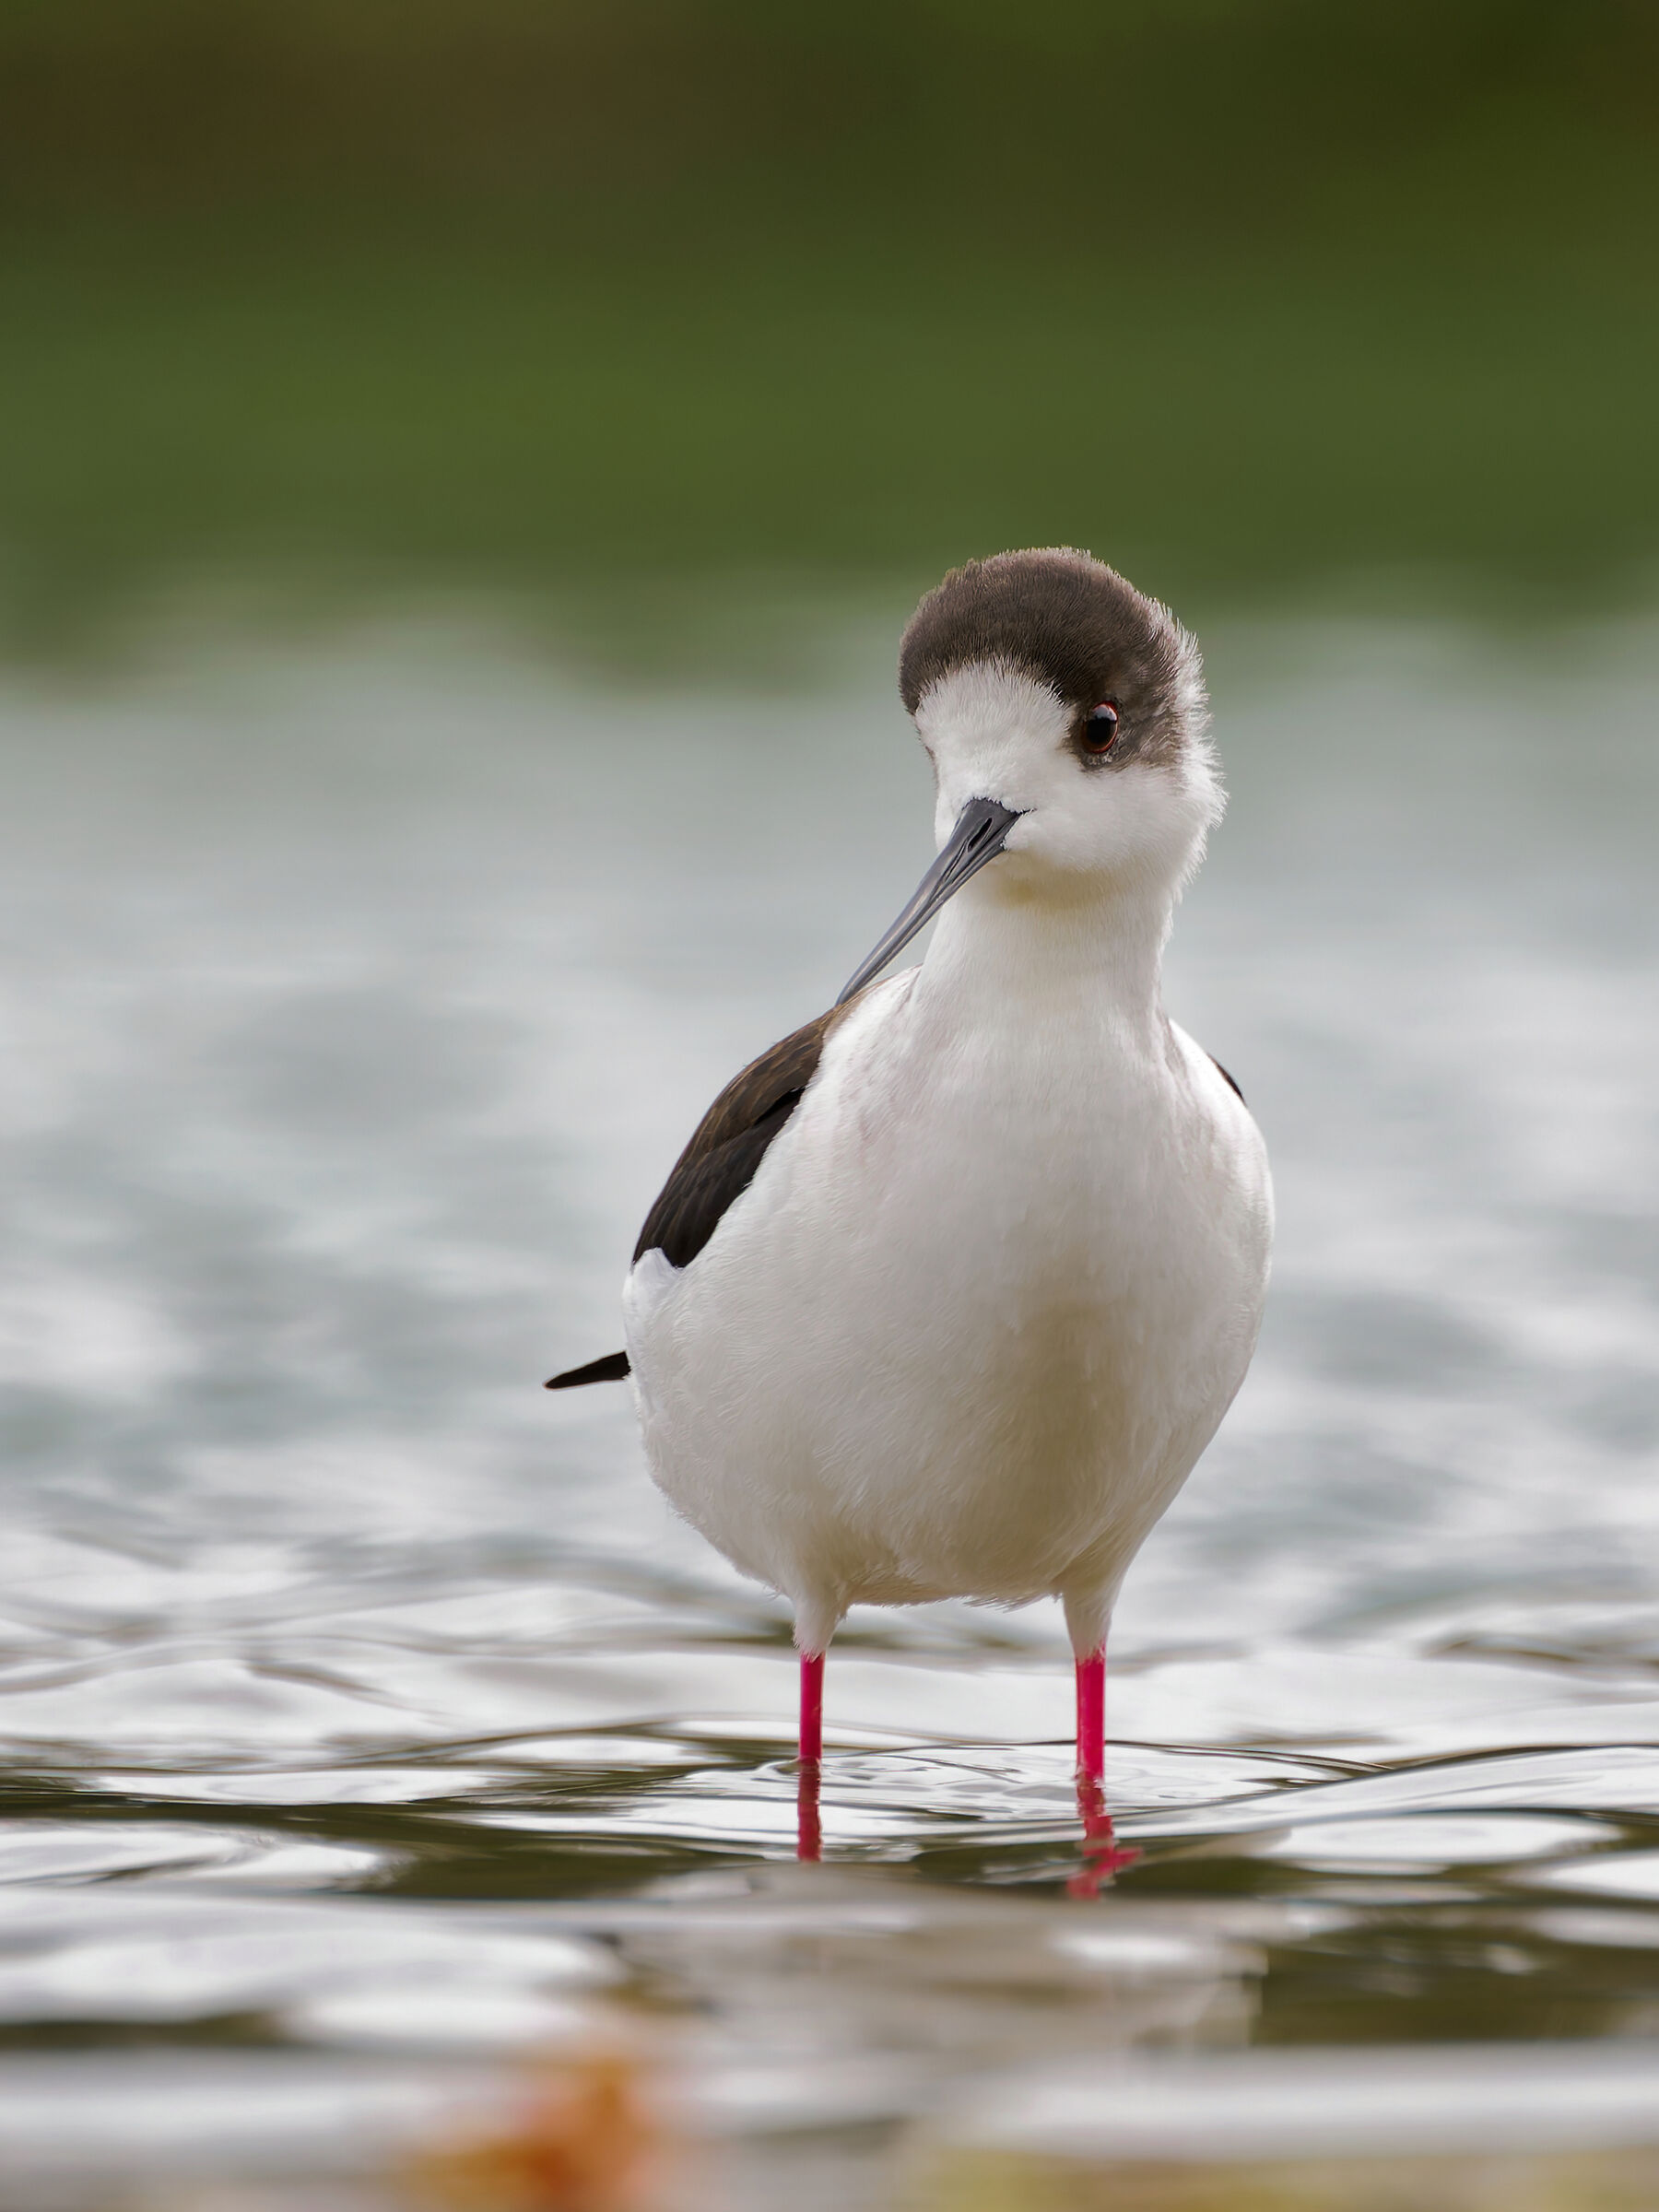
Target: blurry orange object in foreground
[{"x": 588, "y": 2139}]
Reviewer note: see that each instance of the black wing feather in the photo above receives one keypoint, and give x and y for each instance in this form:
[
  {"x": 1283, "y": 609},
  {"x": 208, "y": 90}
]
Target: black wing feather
[{"x": 721, "y": 1160}]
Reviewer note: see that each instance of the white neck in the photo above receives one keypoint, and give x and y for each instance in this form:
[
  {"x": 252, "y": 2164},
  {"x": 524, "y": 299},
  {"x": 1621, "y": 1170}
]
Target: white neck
[{"x": 999, "y": 957}]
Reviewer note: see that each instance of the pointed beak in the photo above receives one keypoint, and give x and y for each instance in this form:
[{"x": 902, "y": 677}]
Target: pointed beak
[{"x": 981, "y": 832}]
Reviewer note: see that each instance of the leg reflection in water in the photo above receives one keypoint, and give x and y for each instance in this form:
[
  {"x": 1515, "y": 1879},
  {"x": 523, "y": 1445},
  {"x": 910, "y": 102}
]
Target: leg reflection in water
[
  {"x": 810, "y": 1842},
  {"x": 1103, "y": 1855}
]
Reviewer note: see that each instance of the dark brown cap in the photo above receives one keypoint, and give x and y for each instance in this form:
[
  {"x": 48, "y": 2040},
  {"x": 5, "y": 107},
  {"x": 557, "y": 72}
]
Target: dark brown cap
[{"x": 1070, "y": 621}]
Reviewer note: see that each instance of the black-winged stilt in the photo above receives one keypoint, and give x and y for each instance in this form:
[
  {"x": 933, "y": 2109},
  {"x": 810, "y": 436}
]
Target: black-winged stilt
[{"x": 951, "y": 1288}]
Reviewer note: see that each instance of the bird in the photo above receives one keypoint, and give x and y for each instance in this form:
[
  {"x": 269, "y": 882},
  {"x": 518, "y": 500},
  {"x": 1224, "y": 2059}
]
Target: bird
[{"x": 951, "y": 1288}]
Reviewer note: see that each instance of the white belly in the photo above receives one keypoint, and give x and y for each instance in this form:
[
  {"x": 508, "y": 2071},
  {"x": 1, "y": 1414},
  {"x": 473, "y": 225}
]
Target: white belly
[{"x": 970, "y": 1328}]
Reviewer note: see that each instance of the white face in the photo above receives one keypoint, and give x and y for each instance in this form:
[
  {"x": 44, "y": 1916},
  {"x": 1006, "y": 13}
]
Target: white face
[{"x": 1087, "y": 828}]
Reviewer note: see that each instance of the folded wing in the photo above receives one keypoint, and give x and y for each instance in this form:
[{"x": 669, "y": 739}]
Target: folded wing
[
  {"x": 719, "y": 1164},
  {"x": 729, "y": 1144}
]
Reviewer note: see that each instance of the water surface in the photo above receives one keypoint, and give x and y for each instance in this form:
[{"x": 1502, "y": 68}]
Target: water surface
[{"x": 370, "y": 1724}]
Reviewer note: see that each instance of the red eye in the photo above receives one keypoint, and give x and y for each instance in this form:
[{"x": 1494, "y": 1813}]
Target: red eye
[{"x": 1100, "y": 727}]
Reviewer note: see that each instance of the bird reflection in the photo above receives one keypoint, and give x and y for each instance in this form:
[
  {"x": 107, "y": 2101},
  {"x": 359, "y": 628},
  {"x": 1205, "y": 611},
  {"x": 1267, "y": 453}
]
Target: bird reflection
[{"x": 1104, "y": 1856}]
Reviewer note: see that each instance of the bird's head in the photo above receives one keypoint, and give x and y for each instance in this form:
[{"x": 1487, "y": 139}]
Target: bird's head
[{"x": 1065, "y": 717}]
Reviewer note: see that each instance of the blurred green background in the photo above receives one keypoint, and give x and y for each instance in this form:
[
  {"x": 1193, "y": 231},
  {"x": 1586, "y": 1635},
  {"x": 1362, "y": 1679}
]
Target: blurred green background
[{"x": 612, "y": 304}]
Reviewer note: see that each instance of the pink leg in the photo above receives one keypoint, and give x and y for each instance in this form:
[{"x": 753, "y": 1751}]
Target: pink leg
[
  {"x": 812, "y": 1707},
  {"x": 1102, "y": 1856},
  {"x": 807, "y": 1834},
  {"x": 1091, "y": 1716}
]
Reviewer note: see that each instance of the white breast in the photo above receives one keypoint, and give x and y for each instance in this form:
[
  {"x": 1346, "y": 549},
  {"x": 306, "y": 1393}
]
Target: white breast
[{"x": 984, "y": 1304}]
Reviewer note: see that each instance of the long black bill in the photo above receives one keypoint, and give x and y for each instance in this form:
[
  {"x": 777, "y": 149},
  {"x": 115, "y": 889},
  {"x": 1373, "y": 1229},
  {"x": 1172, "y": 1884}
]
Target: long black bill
[{"x": 981, "y": 830}]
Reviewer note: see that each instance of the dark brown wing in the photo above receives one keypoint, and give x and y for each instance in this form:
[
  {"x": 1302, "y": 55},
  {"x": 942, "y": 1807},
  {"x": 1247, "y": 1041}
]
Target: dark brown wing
[{"x": 720, "y": 1162}]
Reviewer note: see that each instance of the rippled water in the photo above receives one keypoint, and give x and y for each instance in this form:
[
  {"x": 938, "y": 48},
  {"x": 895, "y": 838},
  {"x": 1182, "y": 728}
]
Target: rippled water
[{"x": 370, "y": 1724}]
